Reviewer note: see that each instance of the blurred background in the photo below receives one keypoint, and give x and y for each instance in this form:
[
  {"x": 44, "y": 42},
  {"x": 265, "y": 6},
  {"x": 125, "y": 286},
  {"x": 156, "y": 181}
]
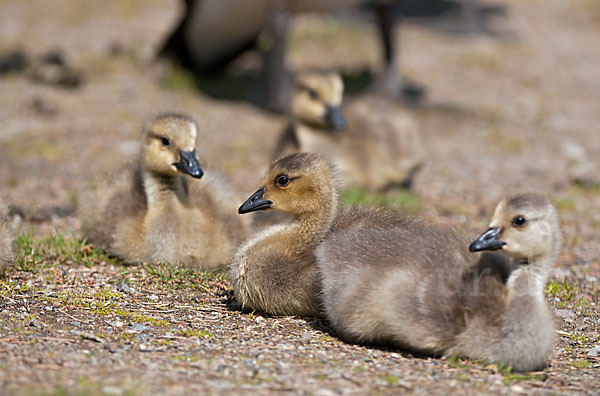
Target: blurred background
[{"x": 505, "y": 92}]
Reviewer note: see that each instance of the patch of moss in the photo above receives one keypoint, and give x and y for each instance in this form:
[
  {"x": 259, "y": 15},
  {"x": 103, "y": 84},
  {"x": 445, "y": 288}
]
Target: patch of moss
[
  {"x": 177, "y": 78},
  {"x": 197, "y": 333},
  {"x": 325, "y": 338},
  {"x": 508, "y": 144},
  {"x": 35, "y": 145},
  {"x": 391, "y": 379},
  {"x": 85, "y": 387},
  {"x": 178, "y": 276},
  {"x": 581, "y": 363},
  {"x": 185, "y": 358},
  {"x": 101, "y": 302},
  {"x": 565, "y": 205}
]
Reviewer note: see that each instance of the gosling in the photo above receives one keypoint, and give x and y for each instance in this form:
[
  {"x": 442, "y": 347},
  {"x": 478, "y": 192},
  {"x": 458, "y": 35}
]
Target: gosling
[
  {"x": 417, "y": 288},
  {"x": 157, "y": 209},
  {"x": 6, "y": 239},
  {"x": 275, "y": 270},
  {"x": 377, "y": 147}
]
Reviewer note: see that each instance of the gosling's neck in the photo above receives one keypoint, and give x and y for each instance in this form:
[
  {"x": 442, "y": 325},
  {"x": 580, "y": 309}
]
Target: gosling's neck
[
  {"x": 160, "y": 189},
  {"x": 529, "y": 279},
  {"x": 306, "y": 127},
  {"x": 309, "y": 228}
]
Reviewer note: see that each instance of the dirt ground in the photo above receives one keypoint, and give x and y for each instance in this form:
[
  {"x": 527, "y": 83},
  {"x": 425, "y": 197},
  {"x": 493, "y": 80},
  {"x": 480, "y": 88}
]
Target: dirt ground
[{"x": 512, "y": 109}]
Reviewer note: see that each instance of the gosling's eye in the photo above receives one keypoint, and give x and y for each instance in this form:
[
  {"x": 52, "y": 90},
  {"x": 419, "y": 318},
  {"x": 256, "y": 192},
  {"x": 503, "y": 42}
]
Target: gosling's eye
[
  {"x": 283, "y": 181},
  {"x": 165, "y": 141},
  {"x": 519, "y": 221},
  {"x": 313, "y": 94}
]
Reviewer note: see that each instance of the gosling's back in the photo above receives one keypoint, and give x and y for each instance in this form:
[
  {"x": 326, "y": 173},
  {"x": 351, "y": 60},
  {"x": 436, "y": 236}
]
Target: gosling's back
[{"x": 398, "y": 286}]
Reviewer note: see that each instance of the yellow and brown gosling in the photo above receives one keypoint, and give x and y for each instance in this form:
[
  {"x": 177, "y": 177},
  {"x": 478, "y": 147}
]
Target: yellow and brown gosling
[
  {"x": 419, "y": 289},
  {"x": 163, "y": 207},
  {"x": 376, "y": 146},
  {"x": 275, "y": 270}
]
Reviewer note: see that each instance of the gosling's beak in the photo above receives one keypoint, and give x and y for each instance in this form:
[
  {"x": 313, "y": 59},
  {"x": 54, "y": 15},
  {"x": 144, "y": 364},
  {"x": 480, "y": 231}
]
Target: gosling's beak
[
  {"x": 188, "y": 163},
  {"x": 335, "y": 117},
  {"x": 255, "y": 202},
  {"x": 488, "y": 241}
]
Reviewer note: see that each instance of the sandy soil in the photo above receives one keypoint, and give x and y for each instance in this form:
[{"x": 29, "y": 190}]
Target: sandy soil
[{"x": 505, "y": 112}]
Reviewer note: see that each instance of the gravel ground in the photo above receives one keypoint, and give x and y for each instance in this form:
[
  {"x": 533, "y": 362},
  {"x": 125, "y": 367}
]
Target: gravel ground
[{"x": 512, "y": 110}]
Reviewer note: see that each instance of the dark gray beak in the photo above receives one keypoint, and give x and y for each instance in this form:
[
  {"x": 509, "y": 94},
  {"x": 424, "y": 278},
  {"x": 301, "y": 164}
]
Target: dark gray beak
[
  {"x": 335, "y": 117},
  {"x": 488, "y": 241},
  {"x": 189, "y": 164},
  {"x": 255, "y": 202}
]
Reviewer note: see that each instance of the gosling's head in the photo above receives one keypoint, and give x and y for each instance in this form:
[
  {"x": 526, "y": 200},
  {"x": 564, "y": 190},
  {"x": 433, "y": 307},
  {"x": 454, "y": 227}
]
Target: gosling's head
[
  {"x": 299, "y": 184},
  {"x": 169, "y": 146},
  {"x": 525, "y": 227},
  {"x": 317, "y": 99}
]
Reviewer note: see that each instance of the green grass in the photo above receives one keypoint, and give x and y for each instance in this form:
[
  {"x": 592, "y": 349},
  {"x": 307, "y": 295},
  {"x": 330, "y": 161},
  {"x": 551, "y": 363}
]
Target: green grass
[
  {"x": 565, "y": 205},
  {"x": 506, "y": 372},
  {"x": 563, "y": 290},
  {"x": 397, "y": 198},
  {"x": 34, "y": 254},
  {"x": 391, "y": 379},
  {"x": 84, "y": 388},
  {"x": 197, "y": 333},
  {"x": 186, "y": 358},
  {"x": 569, "y": 295},
  {"x": 140, "y": 317},
  {"x": 455, "y": 362},
  {"x": 177, "y": 78},
  {"x": 508, "y": 144},
  {"x": 325, "y": 338},
  {"x": 581, "y": 363}
]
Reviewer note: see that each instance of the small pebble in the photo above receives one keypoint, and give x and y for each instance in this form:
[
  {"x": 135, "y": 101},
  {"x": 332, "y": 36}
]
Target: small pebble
[
  {"x": 140, "y": 327},
  {"x": 112, "y": 390},
  {"x": 565, "y": 313},
  {"x": 595, "y": 351},
  {"x": 495, "y": 379},
  {"x": 306, "y": 336},
  {"x": 324, "y": 392},
  {"x": 141, "y": 337}
]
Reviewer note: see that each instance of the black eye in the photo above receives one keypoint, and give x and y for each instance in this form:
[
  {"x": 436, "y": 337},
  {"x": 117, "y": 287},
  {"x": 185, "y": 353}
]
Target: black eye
[
  {"x": 313, "y": 94},
  {"x": 519, "y": 221},
  {"x": 283, "y": 180},
  {"x": 165, "y": 141}
]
